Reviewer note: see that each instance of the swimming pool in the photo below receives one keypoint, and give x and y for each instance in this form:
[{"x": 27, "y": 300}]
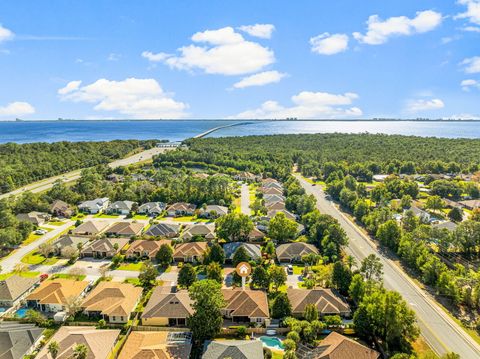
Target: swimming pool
[
  {"x": 21, "y": 312},
  {"x": 271, "y": 342}
]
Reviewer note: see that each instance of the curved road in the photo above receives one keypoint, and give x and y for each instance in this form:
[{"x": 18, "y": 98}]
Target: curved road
[{"x": 438, "y": 329}]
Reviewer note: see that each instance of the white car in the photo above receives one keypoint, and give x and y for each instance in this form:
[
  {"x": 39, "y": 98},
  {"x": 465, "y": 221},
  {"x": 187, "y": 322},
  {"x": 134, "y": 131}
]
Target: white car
[{"x": 40, "y": 232}]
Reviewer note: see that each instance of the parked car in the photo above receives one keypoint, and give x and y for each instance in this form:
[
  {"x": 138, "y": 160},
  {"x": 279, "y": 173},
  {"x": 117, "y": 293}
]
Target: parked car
[
  {"x": 290, "y": 269},
  {"x": 40, "y": 232}
]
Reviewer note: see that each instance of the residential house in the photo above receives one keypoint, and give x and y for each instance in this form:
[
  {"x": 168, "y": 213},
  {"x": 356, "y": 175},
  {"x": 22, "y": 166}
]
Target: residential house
[
  {"x": 67, "y": 241},
  {"x": 326, "y": 301},
  {"x": 166, "y": 230},
  {"x": 271, "y": 198},
  {"x": 143, "y": 248},
  {"x": 272, "y": 191},
  {"x": 268, "y": 181},
  {"x": 379, "y": 178},
  {"x": 152, "y": 209},
  {"x": 253, "y": 250},
  {"x": 471, "y": 204},
  {"x": 115, "y": 178},
  {"x": 337, "y": 346},
  {"x": 90, "y": 228},
  {"x": 272, "y": 184},
  {"x": 36, "y": 218},
  {"x": 61, "y": 209},
  {"x": 448, "y": 225},
  {"x": 53, "y": 295},
  {"x": 125, "y": 229},
  {"x": 13, "y": 289},
  {"x": 206, "y": 231},
  {"x": 112, "y": 301},
  {"x": 181, "y": 209},
  {"x": 99, "y": 342},
  {"x": 94, "y": 206},
  {"x": 18, "y": 340},
  {"x": 213, "y": 211},
  {"x": 275, "y": 206},
  {"x": 293, "y": 252},
  {"x": 452, "y": 204},
  {"x": 190, "y": 252},
  {"x": 167, "y": 308},
  {"x": 120, "y": 207},
  {"x": 256, "y": 235},
  {"x": 242, "y": 306},
  {"x": 247, "y": 177},
  {"x": 238, "y": 349},
  {"x": 104, "y": 247},
  {"x": 420, "y": 213},
  {"x": 288, "y": 215},
  {"x": 153, "y": 345}
]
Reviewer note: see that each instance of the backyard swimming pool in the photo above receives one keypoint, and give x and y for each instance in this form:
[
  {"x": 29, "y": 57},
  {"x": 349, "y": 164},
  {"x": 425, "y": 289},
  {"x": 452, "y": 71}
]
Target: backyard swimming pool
[
  {"x": 21, "y": 312},
  {"x": 271, "y": 342}
]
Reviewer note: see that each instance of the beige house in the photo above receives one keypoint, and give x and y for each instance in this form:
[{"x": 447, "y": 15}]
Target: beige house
[
  {"x": 143, "y": 248},
  {"x": 275, "y": 206},
  {"x": 190, "y": 252},
  {"x": 206, "y": 231},
  {"x": 336, "y": 346},
  {"x": 13, "y": 289},
  {"x": 61, "y": 209},
  {"x": 181, "y": 209},
  {"x": 90, "y": 228},
  {"x": 37, "y": 218},
  {"x": 53, "y": 295},
  {"x": 256, "y": 235},
  {"x": 112, "y": 301},
  {"x": 99, "y": 342},
  {"x": 293, "y": 252},
  {"x": 247, "y": 305},
  {"x": 125, "y": 229},
  {"x": 157, "y": 345},
  {"x": 326, "y": 301},
  {"x": 104, "y": 247},
  {"x": 167, "y": 309}
]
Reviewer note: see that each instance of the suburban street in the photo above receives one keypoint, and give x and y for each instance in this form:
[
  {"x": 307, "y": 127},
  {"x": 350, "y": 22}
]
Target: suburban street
[
  {"x": 47, "y": 183},
  {"x": 245, "y": 200},
  {"x": 439, "y": 330}
]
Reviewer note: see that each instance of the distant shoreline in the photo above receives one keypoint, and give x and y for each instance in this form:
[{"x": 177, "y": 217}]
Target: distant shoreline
[{"x": 248, "y": 120}]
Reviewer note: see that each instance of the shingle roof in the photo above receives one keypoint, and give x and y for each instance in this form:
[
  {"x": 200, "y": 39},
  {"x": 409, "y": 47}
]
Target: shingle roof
[
  {"x": 91, "y": 227},
  {"x": 326, "y": 301},
  {"x": 296, "y": 249},
  {"x": 190, "y": 249},
  {"x": 69, "y": 241},
  {"x": 99, "y": 342},
  {"x": 59, "y": 205},
  {"x": 17, "y": 339},
  {"x": 181, "y": 206},
  {"x": 153, "y": 345},
  {"x": 246, "y": 303},
  {"x": 235, "y": 349},
  {"x": 340, "y": 347},
  {"x": 105, "y": 245},
  {"x": 126, "y": 228},
  {"x": 57, "y": 291},
  {"x": 288, "y": 214},
  {"x": 157, "y": 207},
  {"x": 112, "y": 298},
  {"x": 253, "y": 250},
  {"x": 121, "y": 205},
  {"x": 13, "y": 287},
  {"x": 163, "y": 230},
  {"x": 204, "y": 230},
  {"x": 164, "y": 304},
  {"x": 144, "y": 245}
]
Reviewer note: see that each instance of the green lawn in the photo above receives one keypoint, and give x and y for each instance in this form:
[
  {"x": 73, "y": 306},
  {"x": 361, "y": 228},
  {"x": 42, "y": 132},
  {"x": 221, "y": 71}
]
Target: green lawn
[
  {"x": 131, "y": 266},
  {"x": 23, "y": 274},
  {"x": 56, "y": 223},
  {"x": 277, "y": 354},
  {"x": 35, "y": 258},
  {"x": 298, "y": 270},
  {"x": 69, "y": 276},
  {"x": 139, "y": 216},
  {"x": 103, "y": 215}
]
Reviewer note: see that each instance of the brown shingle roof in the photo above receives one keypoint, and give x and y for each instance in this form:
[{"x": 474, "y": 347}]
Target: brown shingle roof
[
  {"x": 94, "y": 227},
  {"x": 153, "y": 345},
  {"x": 246, "y": 303},
  {"x": 164, "y": 304},
  {"x": 293, "y": 250},
  {"x": 340, "y": 347},
  {"x": 113, "y": 298},
  {"x": 190, "y": 249},
  {"x": 105, "y": 245},
  {"x": 13, "y": 287},
  {"x": 326, "y": 301},
  {"x": 57, "y": 291},
  {"x": 144, "y": 245},
  {"x": 126, "y": 229}
]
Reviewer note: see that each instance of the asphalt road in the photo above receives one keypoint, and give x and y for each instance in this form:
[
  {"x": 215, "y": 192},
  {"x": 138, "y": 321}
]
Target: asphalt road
[
  {"x": 47, "y": 183},
  {"x": 245, "y": 199},
  {"x": 439, "y": 330}
]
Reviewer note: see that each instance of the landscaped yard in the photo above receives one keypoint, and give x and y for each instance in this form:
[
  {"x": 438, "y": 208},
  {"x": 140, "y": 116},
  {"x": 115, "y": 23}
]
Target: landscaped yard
[
  {"x": 298, "y": 270},
  {"x": 103, "y": 215},
  {"x": 139, "y": 216},
  {"x": 4, "y": 276},
  {"x": 33, "y": 237},
  {"x": 56, "y": 223},
  {"x": 34, "y": 258},
  {"x": 69, "y": 276},
  {"x": 131, "y": 266}
]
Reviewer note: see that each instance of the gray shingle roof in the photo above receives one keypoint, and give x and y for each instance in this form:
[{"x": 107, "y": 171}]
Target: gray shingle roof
[
  {"x": 17, "y": 339},
  {"x": 238, "y": 349},
  {"x": 163, "y": 230},
  {"x": 14, "y": 286}
]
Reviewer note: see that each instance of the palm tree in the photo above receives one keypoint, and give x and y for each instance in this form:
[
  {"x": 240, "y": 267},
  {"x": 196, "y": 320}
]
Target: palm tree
[
  {"x": 53, "y": 349},
  {"x": 80, "y": 352}
]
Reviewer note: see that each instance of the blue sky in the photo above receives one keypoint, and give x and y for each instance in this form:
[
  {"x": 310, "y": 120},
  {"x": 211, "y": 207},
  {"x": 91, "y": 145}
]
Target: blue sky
[{"x": 239, "y": 59}]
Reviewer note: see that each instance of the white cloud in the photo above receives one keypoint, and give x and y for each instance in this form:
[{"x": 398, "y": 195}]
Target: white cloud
[
  {"x": 379, "y": 31},
  {"x": 135, "y": 98},
  {"x": 326, "y": 44},
  {"x": 471, "y": 29},
  {"x": 223, "y": 51},
  {"x": 263, "y": 31},
  {"x": 472, "y": 13},
  {"x": 469, "y": 83},
  {"x": 114, "y": 57},
  {"x": 472, "y": 65},
  {"x": 307, "y": 105},
  {"x": 260, "y": 79},
  {"x": 5, "y": 34},
  {"x": 16, "y": 109},
  {"x": 424, "y": 105}
]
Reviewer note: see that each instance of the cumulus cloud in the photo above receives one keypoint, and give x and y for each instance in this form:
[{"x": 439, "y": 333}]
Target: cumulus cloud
[
  {"x": 260, "y": 79},
  {"x": 472, "y": 12},
  {"x": 379, "y": 31},
  {"x": 420, "y": 105},
  {"x": 263, "y": 31},
  {"x": 471, "y": 65},
  {"x": 326, "y": 44},
  {"x": 469, "y": 84},
  {"x": 307, "y": 105},
  {"x": 5, "y": 34},
  {"x": 132, "y": 97},
  {"x": 16, "y": 109},
  {"x": 221, "y": 51}
]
